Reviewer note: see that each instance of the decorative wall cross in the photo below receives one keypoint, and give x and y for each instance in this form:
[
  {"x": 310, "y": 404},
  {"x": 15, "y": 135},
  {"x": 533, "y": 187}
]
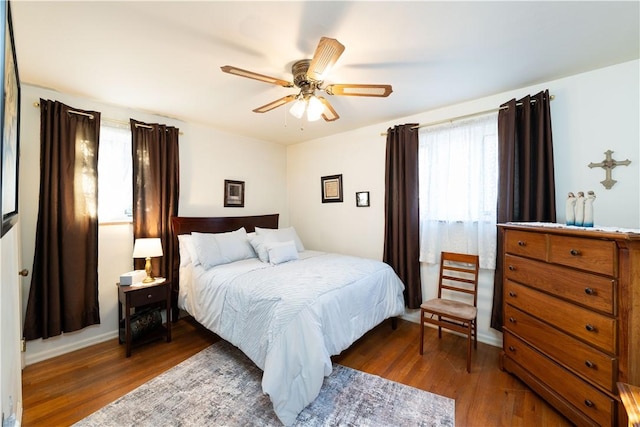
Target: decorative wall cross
[{"x": 608, "y": 164}]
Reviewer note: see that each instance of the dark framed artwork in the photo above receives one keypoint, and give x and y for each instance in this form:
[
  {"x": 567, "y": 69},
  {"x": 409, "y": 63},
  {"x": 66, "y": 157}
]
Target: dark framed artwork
[
  {"x": 331, "y": 188},
  {"x": 233, "y": 194},
  {"x": 362, "y": 199},
  {"x": 10, "y": 111}
]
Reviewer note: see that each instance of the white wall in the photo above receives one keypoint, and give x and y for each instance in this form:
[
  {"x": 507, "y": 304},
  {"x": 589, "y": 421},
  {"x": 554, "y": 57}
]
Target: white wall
[
  {"x": 213, "y": 157},
  {"x": 592, "y": 112},
  {"x": 595, "y": 112},
  {"x": 207, "y": 158},
  {"x": 339, "y": 227}
]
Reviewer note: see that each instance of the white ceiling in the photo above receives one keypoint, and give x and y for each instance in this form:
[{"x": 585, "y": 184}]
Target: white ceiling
[{"x": 165, "y": 57}]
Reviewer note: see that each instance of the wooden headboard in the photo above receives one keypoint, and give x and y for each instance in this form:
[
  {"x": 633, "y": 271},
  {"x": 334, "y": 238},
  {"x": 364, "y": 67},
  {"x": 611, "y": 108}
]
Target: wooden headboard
[{"x": 185, "y": 225}]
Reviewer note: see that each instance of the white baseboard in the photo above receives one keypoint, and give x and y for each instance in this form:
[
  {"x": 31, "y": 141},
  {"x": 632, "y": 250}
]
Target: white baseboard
[
  {"x": 32, "y": 358},
  {"x": 18, "y": 414}
]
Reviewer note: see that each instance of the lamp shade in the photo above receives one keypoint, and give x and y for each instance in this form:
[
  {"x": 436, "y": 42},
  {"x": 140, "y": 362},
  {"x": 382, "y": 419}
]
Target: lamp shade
[
  {"x": 315, "y": 108},
  {"x": 298, "y": 107},
  {"x": 309, "y": 104},
  {"x": 147, "y": 248}
]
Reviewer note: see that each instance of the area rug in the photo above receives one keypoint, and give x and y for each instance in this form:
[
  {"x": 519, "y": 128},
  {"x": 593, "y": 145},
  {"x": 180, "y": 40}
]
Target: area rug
[{"x": 220, "y": 386}]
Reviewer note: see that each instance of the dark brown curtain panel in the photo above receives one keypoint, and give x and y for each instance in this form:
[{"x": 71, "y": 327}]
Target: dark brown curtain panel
[
  {"x": 64, "y": 286},
  {"x": 526, "y": 183},
  {"x": 402, "y": 216},
  {"x": 156, "y": 187}
]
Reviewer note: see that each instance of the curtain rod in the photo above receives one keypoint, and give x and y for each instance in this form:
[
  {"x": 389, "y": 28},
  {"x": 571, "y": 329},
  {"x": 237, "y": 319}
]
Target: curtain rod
[
  {"x": 104, "y": 119},
  {"x": 467, "y": 116},
  {"x": 80, "y": 113}
]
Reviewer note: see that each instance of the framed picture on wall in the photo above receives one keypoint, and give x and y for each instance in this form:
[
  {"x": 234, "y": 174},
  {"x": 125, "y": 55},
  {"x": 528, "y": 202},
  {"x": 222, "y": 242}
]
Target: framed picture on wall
[
  {"x": 331, "y": 188},
  {"x": 233, "y": 194},
  {"x": 10, "y": 111},
  {"x": 362, "y": 199}
]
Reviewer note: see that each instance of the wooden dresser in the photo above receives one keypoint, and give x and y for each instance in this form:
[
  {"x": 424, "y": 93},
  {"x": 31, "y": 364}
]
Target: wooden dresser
[{"x": 572, "y": 316}]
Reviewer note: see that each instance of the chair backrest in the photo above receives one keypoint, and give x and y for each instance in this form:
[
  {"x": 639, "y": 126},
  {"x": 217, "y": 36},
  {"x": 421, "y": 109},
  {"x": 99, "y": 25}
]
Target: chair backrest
[{"x": 459, "y": 273}]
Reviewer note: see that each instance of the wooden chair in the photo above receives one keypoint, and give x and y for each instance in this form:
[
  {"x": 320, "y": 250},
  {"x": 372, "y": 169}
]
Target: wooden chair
[{"x": 458, "y": 275}]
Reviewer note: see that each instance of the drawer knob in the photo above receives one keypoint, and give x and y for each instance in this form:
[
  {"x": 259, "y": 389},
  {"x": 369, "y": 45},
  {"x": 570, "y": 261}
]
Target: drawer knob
[
  {"x": 512, "y": 320},
  {"x": 512, "y": 348},
  {"x": 589, "y": 403},
  {"x": 522, "y": 243},
  {"x": 589, "y": 291},
  {"x": 512, "y": 294},
  {"x": 512, "y": 268},
  {"x": 574, "y": 252},
  {"x": 590, "y": 364},
  {"x": 150, "y": 296},
  {"x": 589, "y": 327}
]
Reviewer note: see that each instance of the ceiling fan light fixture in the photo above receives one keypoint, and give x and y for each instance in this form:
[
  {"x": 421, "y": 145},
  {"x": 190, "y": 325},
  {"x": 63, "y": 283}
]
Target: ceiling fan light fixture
[
  {"x": 315, "y": 108},
  {"x": 298, "y": 107}
]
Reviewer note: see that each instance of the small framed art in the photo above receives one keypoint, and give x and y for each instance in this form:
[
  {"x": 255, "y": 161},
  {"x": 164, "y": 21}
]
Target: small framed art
[
  {"x": 362, "y": 199},
  {"x": 233, "y": 194},
  {"x": 331, "y": 188}
]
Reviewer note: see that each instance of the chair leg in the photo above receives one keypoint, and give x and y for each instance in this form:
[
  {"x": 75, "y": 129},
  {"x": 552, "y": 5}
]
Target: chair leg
[
  {"x": 439, "y": 328},
  {"x": 469, "y": 339},
  {"x": 421, "y": 332},
  {"x": 475, "y": 334}
]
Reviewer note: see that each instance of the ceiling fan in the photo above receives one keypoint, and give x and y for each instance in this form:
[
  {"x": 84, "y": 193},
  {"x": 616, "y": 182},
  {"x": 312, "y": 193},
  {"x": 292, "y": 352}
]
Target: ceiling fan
[{"x": 308, "y": 76}]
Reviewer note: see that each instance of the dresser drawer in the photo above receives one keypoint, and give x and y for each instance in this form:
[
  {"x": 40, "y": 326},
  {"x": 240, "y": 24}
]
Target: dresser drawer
[
  {"x": 148, "y": 295},
  {"x": 532, "y": 245},
  {"x": 595, "y": 329},
  {"x": 594, "y": 365},
  {"x": 598, "y": 256},
  {"x": 591, "y": 291},
  {"x": 587, "y": 399}
]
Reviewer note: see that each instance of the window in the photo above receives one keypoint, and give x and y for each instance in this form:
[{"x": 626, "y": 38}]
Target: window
[
  {"x": 115, "y": 188},
  {"x": 458, "y": 189}
]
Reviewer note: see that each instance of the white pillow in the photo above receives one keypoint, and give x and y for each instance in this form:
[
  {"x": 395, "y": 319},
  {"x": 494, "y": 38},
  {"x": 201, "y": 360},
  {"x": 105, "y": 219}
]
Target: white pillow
[
  {"x": 188, "y": 253},
  {"x": 280, "y": 252},
  {"x": 222, "y": 248},
  {"x": 235, "y": 245},
  {"x": 282, "y": 235},
  {"x": 208, "y": 251},
  {"x": 259, "y": 246}
]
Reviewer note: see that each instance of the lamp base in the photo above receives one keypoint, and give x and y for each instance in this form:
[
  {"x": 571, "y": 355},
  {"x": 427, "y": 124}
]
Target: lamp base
[{"x": 147, "y": 268}]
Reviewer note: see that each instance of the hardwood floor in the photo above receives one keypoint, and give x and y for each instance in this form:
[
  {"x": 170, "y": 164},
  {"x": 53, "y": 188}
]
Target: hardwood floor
[{"x": 65, "y": 389}]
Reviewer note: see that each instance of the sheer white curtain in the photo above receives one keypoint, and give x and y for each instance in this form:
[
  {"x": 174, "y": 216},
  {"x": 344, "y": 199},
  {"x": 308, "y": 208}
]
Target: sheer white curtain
[
  {"x": 458, "y": 189},
  {"x": 115, "y": 189}
]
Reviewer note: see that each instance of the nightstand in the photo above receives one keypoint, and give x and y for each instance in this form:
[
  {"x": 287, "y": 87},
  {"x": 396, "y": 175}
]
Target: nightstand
[{"x": 140, "y": 295}]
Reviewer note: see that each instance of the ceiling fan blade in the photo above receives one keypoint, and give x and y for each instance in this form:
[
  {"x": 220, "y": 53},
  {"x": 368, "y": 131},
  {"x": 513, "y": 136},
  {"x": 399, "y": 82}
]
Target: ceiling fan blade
[
  {"x": 275, "y": 104},
  {"x": 251, "y": 75},
  {"x": 325, "y": 56},
  {"x": 359, "y": 90},
  {"x": 329, "y": 114}
]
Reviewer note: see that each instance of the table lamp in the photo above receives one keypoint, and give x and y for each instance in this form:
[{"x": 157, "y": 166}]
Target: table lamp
[{"x": 147, "y": 248}]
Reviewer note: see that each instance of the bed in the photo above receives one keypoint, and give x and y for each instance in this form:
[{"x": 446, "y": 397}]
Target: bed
[{"x": 287, "y": 308}]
